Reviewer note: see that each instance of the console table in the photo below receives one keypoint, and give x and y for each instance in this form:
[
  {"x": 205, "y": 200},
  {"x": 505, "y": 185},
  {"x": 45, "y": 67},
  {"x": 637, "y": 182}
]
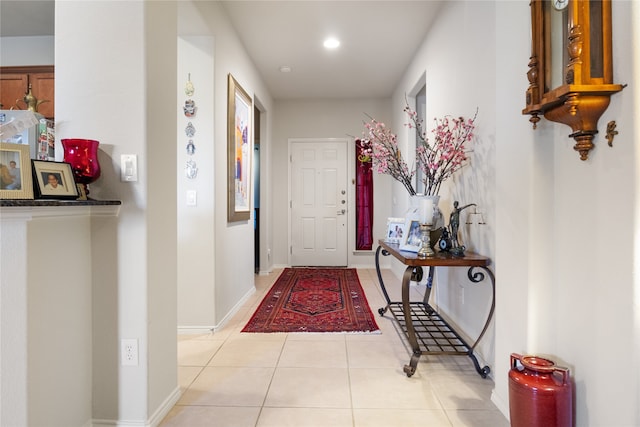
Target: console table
[{"x": 426, "y": 330}]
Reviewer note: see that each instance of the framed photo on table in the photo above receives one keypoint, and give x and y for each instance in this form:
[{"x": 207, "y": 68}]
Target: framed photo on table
[
  {"x": 395, "y": 230},
  {"x": 15, "y": 172},
  {"x": 239, "y": 108},
  {"x": 54, "y": 180},
  {"x": 412, "y": 238}
]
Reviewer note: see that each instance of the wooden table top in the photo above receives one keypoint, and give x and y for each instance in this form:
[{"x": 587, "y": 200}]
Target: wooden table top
[{"x": 440, "y": 259}]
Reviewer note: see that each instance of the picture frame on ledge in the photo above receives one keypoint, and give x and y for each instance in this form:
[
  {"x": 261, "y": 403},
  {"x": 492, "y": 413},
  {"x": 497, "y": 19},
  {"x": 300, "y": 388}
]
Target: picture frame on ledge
[
  {"x": 15, "y": 172},
  {"x": 395, "y": 231},
  {"x": 54, "y": 180}
]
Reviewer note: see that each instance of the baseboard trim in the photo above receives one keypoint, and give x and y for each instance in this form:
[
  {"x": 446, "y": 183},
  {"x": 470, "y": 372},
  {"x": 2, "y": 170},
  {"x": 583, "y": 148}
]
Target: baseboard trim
[
  {"x": 500, "y": 403},
  {"x": 119, "y": 423},
  {"x": 165, "y": 407},
  {"x": 153, "y": 421},
  {"x": 234, "y": 309},
  {"x": 208, "y": 329},
  {"x": 192, "y": 330}
]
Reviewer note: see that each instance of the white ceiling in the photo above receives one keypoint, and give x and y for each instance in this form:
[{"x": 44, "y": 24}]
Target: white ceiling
[
  {"x": 378, "y": 40},
  {"x": 23, "y": 18}
]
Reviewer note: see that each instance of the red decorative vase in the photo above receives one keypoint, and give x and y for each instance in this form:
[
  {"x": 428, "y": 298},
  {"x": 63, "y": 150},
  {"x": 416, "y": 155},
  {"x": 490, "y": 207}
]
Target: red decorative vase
[
  {"x": 540, "y": 393},
  {"x": 82, "y": 155}
]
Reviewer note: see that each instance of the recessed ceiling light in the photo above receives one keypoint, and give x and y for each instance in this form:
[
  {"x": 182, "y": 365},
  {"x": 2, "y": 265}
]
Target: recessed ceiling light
[
  {"x": 285, "y": 69},
  {"x": 331, "y": 43}
]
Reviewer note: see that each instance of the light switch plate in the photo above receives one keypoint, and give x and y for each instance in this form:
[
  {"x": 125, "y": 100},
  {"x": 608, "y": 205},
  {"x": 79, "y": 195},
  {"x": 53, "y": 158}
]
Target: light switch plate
[
  {"x": 192, "y": 198},
  {"x": 128, "y": 168}
]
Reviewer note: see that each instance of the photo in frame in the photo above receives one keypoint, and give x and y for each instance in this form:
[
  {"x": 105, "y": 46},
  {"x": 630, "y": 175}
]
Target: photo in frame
[
  {"x": 239, "y": 109},
  {"x": 395, "y": 230},
  {"x": 412, "y": 238},
  {"x": 15, "y": 172},
  {"x": 54, "y": 180}
]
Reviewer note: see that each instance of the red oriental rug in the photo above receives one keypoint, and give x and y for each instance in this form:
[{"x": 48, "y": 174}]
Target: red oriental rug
[{"x": 314, "y": 300}]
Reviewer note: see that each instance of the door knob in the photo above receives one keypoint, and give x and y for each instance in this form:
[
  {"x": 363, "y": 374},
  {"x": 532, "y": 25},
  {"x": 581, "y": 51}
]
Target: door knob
[{"x": 341, "y": 212}]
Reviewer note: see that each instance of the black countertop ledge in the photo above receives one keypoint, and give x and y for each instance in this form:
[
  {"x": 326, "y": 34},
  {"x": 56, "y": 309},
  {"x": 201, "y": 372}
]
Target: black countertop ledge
[{"x": 53, "y": 202}]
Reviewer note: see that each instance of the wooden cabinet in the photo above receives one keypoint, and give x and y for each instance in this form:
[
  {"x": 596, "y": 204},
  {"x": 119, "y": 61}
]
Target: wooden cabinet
[{"x": 14, "y": 85}]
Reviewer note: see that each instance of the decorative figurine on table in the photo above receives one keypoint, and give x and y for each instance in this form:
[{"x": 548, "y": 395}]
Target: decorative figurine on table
[
  {"x": 444, "y": 243},
  {"x": 454, "y": 222}
]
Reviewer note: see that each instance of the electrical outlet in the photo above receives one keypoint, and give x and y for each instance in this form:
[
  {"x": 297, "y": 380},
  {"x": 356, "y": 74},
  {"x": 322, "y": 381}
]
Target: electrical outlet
[
  {"x": 461, "y": 295},
  {"x": 129, "y": 352}
]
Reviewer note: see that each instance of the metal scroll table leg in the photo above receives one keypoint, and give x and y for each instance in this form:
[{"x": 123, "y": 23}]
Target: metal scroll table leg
[
  {"x": 381, "y": 311},
  {"x": 409, "y": 369},
  {"x": 427, "y": 292},
  {"x": 477, "y": 277}
]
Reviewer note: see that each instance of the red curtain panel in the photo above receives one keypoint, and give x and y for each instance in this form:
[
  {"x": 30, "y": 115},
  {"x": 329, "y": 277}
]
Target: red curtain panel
[{"x": 364, "y": 200}]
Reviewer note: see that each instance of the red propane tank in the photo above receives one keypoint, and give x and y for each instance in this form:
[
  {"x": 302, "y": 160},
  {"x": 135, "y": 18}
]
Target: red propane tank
[{"x": 540, "y": 393}]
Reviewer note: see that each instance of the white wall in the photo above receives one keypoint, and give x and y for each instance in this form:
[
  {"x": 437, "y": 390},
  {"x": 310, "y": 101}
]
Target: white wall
[
  {"x": 122, "y": 100},
  {"x": 37, "y": 50},
  {"x": 134, "y": 292},
  {"x": 84, "y": 30},
  {"x": 635, "y": 66},
  {"x": 59, "y": 324},
  {"x": 46, "y": 311},
  {"x": 581, "y": 267},
  {"x": 160, "y": 24},
  {"x": 565, "y": 232},
  {"x": 458, "y": 90},
  {"x": 560, "y": 231},
  {"x": 593, "y": 271},
  {"x": 196, "y": 234},
  {"x": 233, "y": 242},
  {"x": 325, "y": 119},
  {"x": 520, "y": 255}
]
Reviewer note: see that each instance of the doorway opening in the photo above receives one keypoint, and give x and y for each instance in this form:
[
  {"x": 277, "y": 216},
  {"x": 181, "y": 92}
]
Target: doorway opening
[{"x": 256, "y": 188}]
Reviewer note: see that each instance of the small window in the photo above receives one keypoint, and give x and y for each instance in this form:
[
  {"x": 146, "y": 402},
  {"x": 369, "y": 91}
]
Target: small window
[{"x": 420, "y": 108}]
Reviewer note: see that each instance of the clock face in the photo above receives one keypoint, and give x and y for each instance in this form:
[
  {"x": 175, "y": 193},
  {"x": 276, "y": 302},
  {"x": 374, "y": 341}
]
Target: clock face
[{"x": 560, "y": 4}]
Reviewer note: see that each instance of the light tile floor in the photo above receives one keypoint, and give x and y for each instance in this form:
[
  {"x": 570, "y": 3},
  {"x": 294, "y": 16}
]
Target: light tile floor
[{"x": 234, "y": 379}]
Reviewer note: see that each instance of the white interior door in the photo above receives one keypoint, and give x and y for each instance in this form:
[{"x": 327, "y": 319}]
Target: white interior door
[{"x": 318, "y": 182}]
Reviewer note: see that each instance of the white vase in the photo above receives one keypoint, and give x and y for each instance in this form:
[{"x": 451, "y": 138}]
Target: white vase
[
  {"x": 418, "y": 203},
  {"x": 437, "y": 222}
]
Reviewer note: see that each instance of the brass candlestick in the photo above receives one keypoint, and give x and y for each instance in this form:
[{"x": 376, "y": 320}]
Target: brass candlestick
[{"x": 425, "y": 248}]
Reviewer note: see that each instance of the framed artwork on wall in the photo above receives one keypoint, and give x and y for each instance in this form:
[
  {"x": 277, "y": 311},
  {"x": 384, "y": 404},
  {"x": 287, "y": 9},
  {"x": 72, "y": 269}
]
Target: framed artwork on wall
[
  {"x": 239, "y": 151},
  {"x": 15, "y": 172}
]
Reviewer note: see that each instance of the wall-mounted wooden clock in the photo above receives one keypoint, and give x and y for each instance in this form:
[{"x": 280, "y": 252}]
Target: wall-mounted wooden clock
[{"x": 570, "y": 69}]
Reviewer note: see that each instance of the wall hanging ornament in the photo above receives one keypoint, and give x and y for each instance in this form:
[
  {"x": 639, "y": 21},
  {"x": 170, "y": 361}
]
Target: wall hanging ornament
[
  {"x": 189, "y": 108},
  {"x": 191, "y": 169},
  {"x": 189, "y": 89},
  {"x": 190, "y": 130},
  {"x": 191, "y": 148}
]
